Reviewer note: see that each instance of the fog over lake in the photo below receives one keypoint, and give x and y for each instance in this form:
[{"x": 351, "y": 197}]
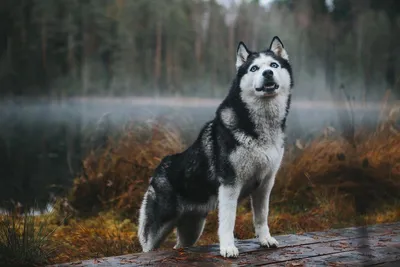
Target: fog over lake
[{"x": 42, "y": 142}]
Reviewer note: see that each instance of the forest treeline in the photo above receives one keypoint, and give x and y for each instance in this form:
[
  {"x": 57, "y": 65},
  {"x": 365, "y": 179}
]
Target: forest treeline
[{"x": 187, "y": 47}]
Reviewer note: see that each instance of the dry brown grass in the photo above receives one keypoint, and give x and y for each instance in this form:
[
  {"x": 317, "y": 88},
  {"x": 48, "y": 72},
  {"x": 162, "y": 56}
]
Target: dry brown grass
[
  {"x": 25, "y": 240},
  {"x": 105, "y": 234},
  {"x": 117, "y": 177},
  {"x": 323, "y": 184},
  {"x": 329, "y": 164}
]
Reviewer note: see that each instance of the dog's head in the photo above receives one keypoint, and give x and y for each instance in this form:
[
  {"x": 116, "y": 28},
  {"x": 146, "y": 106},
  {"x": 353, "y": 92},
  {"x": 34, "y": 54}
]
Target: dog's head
[{"x": 264, "y": 74}]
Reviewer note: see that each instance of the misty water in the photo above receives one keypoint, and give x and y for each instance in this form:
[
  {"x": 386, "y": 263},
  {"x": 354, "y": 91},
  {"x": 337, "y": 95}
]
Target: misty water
[{"x": 42, "y": 142}]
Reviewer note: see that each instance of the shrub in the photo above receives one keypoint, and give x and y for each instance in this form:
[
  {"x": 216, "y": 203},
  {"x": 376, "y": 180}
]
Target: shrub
[
  {"x": 117, "y": 177},
  {"x": 24, "y": 240}
]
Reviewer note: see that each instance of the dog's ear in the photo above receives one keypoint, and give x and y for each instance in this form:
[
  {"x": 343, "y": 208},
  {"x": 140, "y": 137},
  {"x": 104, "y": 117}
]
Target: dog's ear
[
  {"x": 242, "y": 54},
  {"x": 278, "y": 48}
]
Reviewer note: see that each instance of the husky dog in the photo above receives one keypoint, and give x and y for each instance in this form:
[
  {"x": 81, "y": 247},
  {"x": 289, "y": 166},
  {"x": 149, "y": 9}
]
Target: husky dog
[{"x": 236, "y": 155}]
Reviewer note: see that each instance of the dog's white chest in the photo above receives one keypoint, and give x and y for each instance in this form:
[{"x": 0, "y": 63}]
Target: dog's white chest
[{"x": 256, "y": 160}]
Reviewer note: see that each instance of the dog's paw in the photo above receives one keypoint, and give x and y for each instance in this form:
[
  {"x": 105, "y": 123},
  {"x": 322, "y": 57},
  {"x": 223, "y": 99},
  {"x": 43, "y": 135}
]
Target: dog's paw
[
  {"x": 229, "y": 252},
  {"x": 269, "y": 242}
]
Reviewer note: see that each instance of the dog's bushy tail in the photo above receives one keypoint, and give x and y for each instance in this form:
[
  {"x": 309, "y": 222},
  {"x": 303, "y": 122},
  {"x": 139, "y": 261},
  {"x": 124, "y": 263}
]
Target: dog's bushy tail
[
  {"x": 156, "y": 221},
  {"x": 144, "y": 221}
]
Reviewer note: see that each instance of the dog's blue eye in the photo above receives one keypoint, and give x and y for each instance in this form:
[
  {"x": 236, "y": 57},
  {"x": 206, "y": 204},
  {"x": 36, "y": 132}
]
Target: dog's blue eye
[
  {"x": 274, "y": 65},
  {"x": 254, "y": 68}
]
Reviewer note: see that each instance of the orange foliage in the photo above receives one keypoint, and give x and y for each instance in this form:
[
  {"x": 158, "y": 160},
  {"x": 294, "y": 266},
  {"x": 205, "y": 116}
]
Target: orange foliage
[{"x": 117, "y": 177}]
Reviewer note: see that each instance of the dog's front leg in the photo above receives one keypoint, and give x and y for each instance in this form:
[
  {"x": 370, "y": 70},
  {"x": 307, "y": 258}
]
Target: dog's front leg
[
  {"x": 227, "y": 204},
  {"x": 260, "y": 206}
]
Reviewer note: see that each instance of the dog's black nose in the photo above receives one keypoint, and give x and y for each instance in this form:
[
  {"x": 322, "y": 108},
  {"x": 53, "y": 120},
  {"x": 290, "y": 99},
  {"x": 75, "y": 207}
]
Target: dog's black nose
[{"x": 268, "y": 73}]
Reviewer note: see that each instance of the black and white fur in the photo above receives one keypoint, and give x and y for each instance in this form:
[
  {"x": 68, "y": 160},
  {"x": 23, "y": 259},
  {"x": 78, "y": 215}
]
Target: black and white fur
[{"x": 236, "y": 155}]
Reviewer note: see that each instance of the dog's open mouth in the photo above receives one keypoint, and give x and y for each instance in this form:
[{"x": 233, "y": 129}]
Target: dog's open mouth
[
  {"x": 269, "y": 89},
  {"x": 270, "y": 86}
]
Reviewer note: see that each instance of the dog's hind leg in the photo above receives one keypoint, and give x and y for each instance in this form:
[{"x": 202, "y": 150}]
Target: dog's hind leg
[
  {"x": 189, "y": 228},
  {"x": 156, "y": 221}
]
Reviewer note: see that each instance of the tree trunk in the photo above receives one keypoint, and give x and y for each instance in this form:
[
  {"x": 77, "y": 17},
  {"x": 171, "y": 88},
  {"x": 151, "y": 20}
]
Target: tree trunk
[
  {"x": 44, "y": 43},
  {"x": 198, "y": 46},
  {"x": 176, "y": 68},
  {"x": 71, "y": 53},
  {"x": 169, "y": 70},
  {"x": 43, "y": 35},
  {"x": 231, "y": 44},
  {"x": 254, "y": 24},
  {"x": 157, "y": 55},
  {"x": 391, "y": 57},
  {"x": 85, "y": 62}
]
